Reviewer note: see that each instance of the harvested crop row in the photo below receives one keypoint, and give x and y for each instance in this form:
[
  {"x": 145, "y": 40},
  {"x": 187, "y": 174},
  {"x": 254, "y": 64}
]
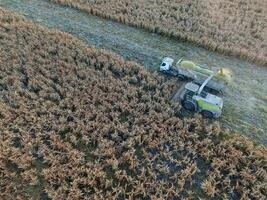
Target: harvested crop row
[
  {"x": 236, "y": 27},
  {"x": 80, "y": 123}
]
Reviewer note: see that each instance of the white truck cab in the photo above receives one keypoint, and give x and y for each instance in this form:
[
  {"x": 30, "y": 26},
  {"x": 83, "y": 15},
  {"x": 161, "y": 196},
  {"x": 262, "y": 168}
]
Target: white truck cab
[{"x": 166, "y": 64}]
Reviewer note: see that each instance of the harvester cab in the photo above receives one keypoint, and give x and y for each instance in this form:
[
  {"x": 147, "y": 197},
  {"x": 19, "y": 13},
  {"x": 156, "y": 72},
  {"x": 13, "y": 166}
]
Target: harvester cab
[{"x": 195, "y": 98}]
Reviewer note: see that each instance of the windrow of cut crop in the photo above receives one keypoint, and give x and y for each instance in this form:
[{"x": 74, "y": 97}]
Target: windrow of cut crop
[
  {"x": 236, "y": 28},
  {"x": 81, "y": 123}
]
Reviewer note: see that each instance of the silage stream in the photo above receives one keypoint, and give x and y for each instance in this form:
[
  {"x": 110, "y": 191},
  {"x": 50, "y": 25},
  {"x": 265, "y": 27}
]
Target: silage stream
[{"x": 245, "y": 109}]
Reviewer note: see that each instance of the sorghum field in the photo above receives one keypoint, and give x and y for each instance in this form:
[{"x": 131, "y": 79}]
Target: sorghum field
[
  {"x": 81, "y": 123},
  {"x": 233, "y": 27}
]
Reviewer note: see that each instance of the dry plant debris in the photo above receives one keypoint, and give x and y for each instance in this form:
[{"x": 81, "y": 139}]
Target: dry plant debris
[
  {"x": 81, "y": 123},
  {"x": 232, "y": 27}
]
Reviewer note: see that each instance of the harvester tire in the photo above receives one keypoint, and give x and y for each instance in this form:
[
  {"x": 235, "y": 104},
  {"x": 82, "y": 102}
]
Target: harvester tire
[
  {"x": 207, "y": 114},
  {"x": 189, "y": 105}
]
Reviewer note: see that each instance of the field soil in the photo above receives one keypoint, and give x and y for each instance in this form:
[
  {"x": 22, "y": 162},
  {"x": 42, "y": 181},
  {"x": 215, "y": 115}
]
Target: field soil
[
  {"x": 245, "y": 109},
  {"x": 81, "y": 123},
  {"x": 234, "y": 27}
]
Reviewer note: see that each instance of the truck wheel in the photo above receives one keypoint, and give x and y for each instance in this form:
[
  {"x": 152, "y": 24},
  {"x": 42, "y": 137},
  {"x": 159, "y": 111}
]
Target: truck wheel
[
  {"x": 182, "y": 77},
  {"x": 189, "y": 105},
  {"x": 207, "y": 114}
]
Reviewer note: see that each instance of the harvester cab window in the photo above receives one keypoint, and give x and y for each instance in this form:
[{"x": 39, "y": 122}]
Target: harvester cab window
[
  {"x": 203, "y": 94},
  {"x": 190, "y": 93}
]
